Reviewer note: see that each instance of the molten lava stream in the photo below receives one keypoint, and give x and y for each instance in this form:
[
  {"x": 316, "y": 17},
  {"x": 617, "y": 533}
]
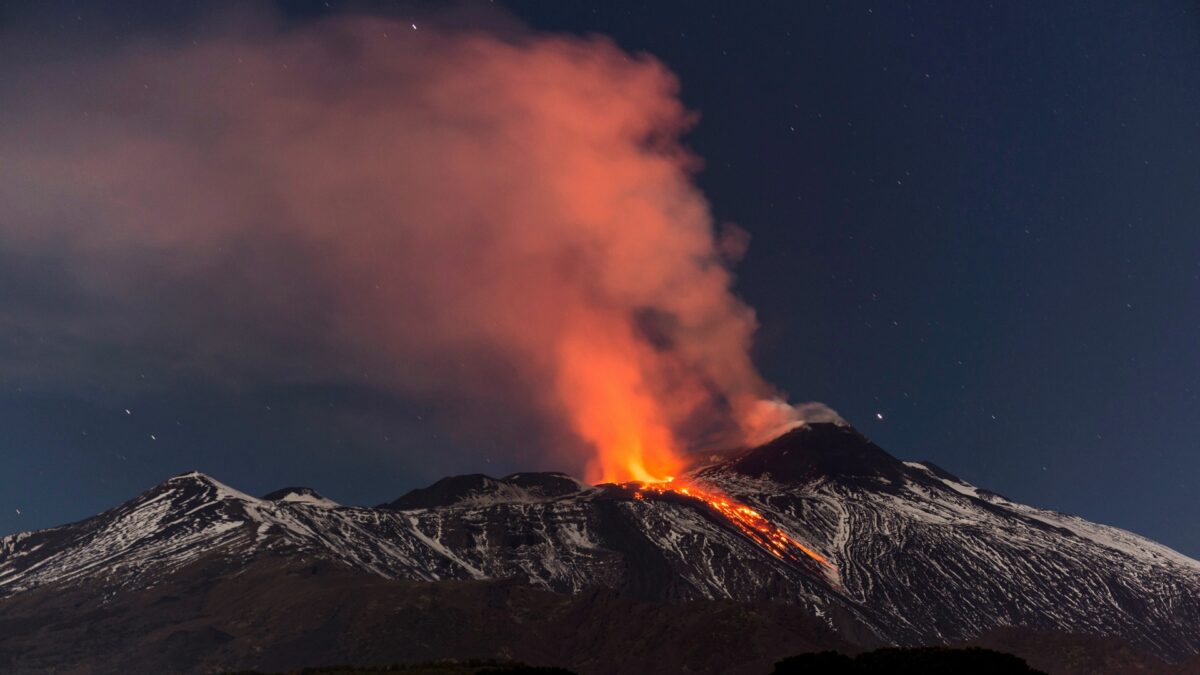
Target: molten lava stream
[{"x": 750, "y": 522}]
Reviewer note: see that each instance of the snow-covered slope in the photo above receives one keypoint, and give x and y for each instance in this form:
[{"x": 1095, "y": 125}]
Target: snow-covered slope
[
  {"x": 567, "y": 543},
  {"x": 938, "y": 559},
  {"x": 301, "y": 495},
  {"x": 922, "y": 556}
]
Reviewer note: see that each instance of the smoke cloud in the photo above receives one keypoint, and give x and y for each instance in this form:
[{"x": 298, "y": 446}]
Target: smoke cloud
[{"x": 499, "y": 224}]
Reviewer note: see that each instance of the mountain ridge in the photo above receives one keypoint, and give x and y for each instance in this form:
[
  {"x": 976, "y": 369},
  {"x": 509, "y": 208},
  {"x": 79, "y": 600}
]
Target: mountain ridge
[{"x": 922, "y": 556}]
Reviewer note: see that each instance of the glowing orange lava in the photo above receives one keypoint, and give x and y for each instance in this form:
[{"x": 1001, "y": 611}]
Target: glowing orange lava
[
  {"x": 609, "y": 405},
  {"x": 606, "y": 393},
  {"x": 750, "y": 522}
]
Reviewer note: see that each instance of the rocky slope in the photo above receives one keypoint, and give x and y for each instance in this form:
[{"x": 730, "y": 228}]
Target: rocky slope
[{"x": 922, "y": 557}]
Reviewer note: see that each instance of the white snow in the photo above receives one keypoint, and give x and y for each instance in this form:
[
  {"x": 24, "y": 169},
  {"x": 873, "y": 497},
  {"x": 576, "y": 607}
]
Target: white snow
[
  {"x": 311, "y": 500},
  {"x": 979, "y": 549}
]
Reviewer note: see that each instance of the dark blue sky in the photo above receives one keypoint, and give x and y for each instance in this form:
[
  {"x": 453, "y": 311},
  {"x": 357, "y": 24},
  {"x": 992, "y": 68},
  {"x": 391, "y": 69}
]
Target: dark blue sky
[{"x": 980, "y": 222}]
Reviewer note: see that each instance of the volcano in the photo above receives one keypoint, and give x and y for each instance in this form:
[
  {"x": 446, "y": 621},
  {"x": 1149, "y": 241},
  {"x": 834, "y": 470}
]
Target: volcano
[{"x": 195, "y": 575}]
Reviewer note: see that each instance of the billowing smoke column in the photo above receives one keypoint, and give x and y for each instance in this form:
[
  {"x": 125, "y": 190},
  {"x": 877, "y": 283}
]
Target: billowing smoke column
[{"x": 509, "y": 221}]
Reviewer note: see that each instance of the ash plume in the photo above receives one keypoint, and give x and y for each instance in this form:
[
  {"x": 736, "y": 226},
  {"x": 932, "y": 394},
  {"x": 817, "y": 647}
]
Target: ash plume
[{"x": 494, "y": 222}]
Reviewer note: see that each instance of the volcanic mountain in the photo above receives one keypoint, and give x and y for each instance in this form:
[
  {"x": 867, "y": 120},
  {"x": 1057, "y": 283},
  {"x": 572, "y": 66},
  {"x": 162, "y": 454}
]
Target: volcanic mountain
[{"x": 195, "y": 575}]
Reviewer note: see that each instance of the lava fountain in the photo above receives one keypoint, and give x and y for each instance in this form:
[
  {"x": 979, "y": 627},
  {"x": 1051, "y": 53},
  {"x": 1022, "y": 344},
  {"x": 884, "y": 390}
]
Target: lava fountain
[{"x": 635, "y": 446}]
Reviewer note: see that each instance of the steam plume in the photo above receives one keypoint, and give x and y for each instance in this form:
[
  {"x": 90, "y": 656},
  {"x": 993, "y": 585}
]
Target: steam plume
[{"x": 499, "y": 222}]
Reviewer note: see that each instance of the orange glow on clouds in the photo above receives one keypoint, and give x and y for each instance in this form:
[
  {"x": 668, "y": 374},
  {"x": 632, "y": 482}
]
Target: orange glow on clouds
[
  {"x": 608, "y": 405},
  {"x": 499, "y": 225}
]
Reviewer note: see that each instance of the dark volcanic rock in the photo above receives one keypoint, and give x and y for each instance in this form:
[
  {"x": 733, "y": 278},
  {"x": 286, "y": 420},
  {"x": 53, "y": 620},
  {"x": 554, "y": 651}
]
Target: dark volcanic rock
[
  {"x": 921, "y": 557},
  {"x": 281, "y": 615},
  {"x": 299, "y": 494},
  {"x": 478, "y": 488},
  {"x": 1063, "y": 654},
  {"x": 819, "y": 452}
]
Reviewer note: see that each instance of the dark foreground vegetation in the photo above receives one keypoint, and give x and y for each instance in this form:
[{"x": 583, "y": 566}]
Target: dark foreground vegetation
[
  {"x": 915, "y": 661},
  {"x": 472, "y": 667}
]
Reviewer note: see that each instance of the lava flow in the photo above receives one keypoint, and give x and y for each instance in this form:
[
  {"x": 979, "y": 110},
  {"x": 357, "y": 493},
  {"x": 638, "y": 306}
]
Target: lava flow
[
  {"x": 604, "y": 384},
  {"x": 747, "y": 520}
]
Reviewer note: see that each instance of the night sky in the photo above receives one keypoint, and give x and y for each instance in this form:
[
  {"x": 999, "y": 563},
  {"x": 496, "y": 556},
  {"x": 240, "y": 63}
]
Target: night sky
[{"x": 975, "y": 233}]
